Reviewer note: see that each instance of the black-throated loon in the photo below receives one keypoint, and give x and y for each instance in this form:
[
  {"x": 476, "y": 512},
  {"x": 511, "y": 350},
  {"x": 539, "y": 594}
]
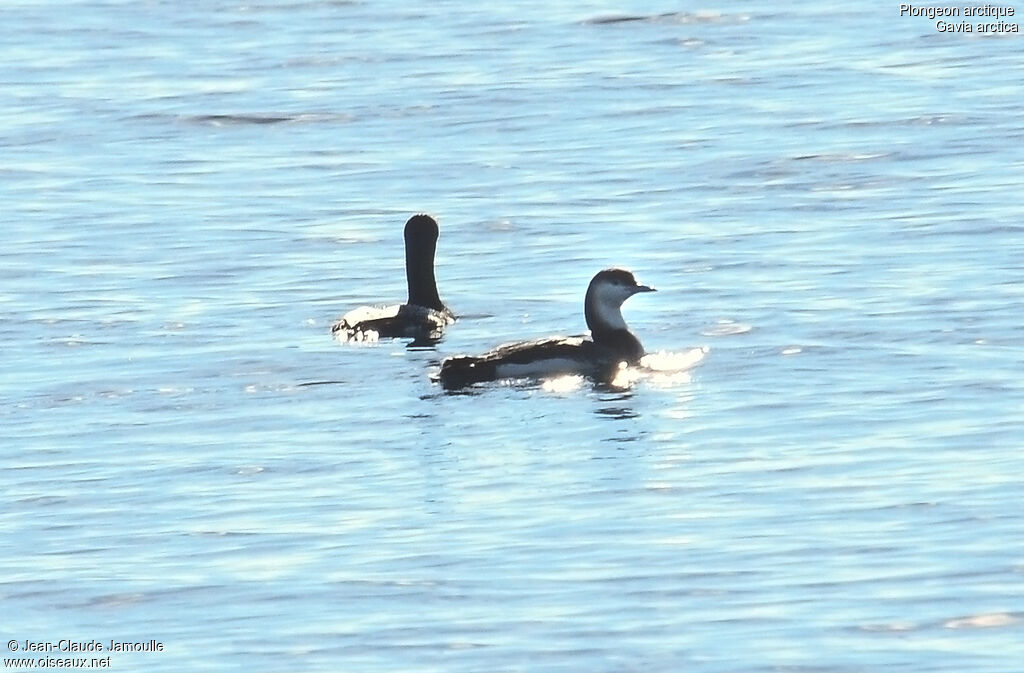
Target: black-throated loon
[
  {"x": 424, "y": 316},
  {"x": 610, "y": 342}
]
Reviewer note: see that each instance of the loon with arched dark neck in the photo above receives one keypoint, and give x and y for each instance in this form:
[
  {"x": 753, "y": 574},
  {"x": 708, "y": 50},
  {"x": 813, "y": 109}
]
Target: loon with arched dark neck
[
  {"x": 424, "y": 315},
  {"x": 610, "y": 343}
]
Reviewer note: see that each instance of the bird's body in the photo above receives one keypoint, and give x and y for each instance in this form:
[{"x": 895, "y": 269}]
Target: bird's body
[
  {"x": 424, "y": 315},
  {"x": 400, "y": 321},
  {"x": 599, "y": 356}
]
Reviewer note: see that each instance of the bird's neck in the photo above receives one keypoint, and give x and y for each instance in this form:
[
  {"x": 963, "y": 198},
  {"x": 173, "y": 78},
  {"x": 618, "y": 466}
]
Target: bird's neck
[
  {"x": 603, "y": 316},
  {"x": 419, "y": 275}
]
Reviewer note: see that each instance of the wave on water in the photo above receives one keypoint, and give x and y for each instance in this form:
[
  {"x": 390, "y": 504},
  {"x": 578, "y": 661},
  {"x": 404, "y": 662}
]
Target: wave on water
[
  {"x": 670, "y": 17},
  {"x": 663, "y": 368},
  {"x": 255, "y": 119},
  {"x": 669, "y": 361},
  {"x": 726, "y": 328}
]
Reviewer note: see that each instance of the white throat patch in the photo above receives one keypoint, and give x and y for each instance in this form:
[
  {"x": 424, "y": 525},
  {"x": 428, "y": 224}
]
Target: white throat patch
[{"x": 607, "y": 304}]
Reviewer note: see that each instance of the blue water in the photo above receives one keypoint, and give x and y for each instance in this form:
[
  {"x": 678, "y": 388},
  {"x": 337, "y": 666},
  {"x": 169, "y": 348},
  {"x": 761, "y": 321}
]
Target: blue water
[{"x": 826, "y": 197}]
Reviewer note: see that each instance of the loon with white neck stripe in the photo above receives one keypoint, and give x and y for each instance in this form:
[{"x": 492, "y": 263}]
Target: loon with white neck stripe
[
  {"x": 610, "y": 343},
  {"x": 423, "y": 316}
]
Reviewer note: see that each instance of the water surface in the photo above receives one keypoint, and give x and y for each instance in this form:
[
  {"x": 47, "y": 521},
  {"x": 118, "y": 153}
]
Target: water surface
[{"x": 826, "y": 198}]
